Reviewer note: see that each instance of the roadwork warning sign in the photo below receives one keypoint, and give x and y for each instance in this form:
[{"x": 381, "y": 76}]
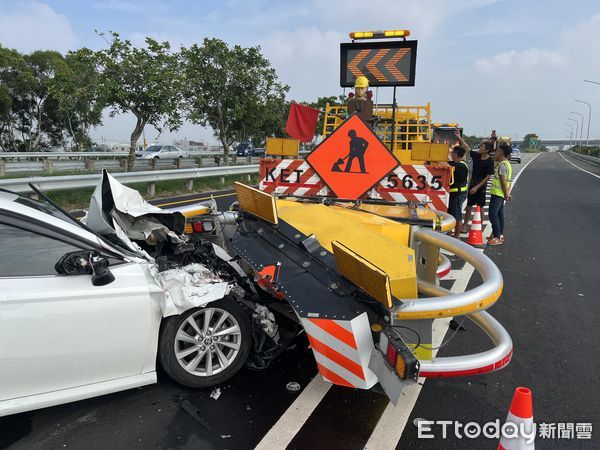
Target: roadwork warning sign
[{"x": 352, "y": 159}]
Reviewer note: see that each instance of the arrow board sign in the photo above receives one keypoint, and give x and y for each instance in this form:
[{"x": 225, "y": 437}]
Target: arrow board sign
[{"x": 390, "y": 63}]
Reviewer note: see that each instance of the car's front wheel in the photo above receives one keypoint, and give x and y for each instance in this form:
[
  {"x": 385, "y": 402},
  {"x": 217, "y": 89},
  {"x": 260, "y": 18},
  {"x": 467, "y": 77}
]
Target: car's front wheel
[{"x": 204, "y": 347}]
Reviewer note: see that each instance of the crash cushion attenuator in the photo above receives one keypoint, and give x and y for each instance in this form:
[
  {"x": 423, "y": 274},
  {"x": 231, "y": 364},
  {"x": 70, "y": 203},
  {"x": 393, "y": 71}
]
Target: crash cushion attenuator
[{"x": 382, "y": 242}]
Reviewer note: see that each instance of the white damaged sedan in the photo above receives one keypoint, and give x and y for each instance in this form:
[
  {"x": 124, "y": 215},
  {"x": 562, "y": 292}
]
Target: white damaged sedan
[{"x": 85, "y": 313}]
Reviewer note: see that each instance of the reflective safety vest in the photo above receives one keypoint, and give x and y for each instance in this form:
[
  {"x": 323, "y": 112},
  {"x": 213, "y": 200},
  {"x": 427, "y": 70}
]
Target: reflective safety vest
[
  {"x": 464, "y": 187},
  {"x": 496, "y": 188}
]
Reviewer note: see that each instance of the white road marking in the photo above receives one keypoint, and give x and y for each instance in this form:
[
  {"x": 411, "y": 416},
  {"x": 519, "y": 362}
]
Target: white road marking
[
  {"x": 575, "y": 165},
  {"x": 288, "y": 425}
]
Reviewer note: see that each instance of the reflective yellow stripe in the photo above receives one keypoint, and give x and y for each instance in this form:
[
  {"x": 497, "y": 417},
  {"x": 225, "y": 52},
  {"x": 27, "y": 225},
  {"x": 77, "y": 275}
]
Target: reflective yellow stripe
[
  {"x": 462, "y": 188},
  {"x": 477, "y": 306}
]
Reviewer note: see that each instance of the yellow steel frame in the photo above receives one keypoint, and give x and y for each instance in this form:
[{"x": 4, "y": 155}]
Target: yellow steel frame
[{"x": 412, "y": 124}]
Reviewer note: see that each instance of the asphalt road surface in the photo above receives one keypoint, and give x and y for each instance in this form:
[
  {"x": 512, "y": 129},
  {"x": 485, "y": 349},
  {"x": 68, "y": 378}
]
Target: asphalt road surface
[{"x": 550, "y": 307}]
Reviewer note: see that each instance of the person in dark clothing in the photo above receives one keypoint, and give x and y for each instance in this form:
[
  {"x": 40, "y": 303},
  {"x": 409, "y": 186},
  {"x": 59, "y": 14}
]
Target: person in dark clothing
[
  {"x": 358, "y": 147},
  {"x": 458, "y": 189},
  {"x": 483, "y": 169}
]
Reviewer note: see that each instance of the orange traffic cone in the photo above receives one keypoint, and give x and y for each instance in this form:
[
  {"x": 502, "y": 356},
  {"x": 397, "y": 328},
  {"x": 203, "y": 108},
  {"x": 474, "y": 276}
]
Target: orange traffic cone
[
  {"x": 521, "y": 416},
  {"x": 476, "y": 234}
]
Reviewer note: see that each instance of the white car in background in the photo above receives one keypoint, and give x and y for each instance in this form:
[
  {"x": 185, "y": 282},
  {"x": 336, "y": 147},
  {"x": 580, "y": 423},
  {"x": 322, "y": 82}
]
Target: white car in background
[
  {"x": 83, "y": 313},
  {"x": 158, "y": 151}
]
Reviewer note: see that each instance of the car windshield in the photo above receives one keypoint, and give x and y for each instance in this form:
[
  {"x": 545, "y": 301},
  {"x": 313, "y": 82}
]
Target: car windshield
[
  {"x": 44, "y": 207},
  {"x": 153, "y": 148}
]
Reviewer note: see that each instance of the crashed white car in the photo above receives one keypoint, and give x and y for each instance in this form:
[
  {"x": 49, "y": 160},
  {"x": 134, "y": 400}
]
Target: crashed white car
[{"x": 85, "y": 313}]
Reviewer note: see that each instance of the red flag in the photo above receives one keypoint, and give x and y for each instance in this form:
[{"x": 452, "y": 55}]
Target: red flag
[{"x": 302, "y": 121}]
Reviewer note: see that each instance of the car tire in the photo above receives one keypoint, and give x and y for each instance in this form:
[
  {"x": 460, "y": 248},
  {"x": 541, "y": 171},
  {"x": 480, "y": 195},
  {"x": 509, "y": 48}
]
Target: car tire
[{"x": 174, "y": 353}]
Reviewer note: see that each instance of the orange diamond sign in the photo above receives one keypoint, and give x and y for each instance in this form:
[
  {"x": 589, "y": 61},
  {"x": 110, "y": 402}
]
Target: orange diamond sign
[{"x": 352, "y": 159}]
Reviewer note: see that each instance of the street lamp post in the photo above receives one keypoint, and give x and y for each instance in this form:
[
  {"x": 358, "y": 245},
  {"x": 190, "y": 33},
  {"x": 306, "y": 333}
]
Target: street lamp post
[
  {"x": 587, "y": 139},
  {"x": 581, "y": 128},
  {"x": 590, "y": 81},
  {"x": 576, "y": 126},
  {"x": 571, "y": 134}
]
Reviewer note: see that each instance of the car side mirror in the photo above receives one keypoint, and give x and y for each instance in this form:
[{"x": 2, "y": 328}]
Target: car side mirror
[
  {"x": 85, "y": 262},
  {"x": 101, "y": 275}
]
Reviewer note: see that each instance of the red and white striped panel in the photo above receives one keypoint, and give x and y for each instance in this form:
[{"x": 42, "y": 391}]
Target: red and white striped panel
[
  {"x": 342, "y": 349},
  {"x": 420, "y": 184},
  {"x": 291, "y": 177}
]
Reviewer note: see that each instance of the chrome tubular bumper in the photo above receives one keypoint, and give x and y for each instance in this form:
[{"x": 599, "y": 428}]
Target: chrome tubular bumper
[
  {"x": 488, "y": 361},
  {"x": 441, "y": 302},
  {"x": 450, "y": 304}
]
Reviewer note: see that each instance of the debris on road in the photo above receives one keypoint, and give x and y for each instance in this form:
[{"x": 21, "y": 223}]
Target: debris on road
[
  {"x": 454, "y": 325},
  {"x": 292, "y": 386},
  {"x": 216, "y": 393}
]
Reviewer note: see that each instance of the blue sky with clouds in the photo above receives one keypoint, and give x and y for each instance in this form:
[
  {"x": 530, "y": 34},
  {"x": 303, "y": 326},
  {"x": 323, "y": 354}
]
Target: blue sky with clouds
[{"x": 515, "y": 66}]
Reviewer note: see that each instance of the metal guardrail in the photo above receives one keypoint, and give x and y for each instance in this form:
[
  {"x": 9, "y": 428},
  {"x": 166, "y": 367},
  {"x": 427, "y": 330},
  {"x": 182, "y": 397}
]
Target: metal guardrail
[
  {"x": 78, "y": 155},
  {"x": 589, "y": 159},
  {"x": 20, "y": 185}
]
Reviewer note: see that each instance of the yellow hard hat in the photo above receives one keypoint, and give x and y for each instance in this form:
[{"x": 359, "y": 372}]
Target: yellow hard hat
[{"x": 361, "y": 82}]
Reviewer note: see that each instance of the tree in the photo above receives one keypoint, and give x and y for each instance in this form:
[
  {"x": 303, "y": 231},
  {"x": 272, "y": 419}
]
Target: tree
[
  {"x": 29, "y": 111},
  {"x": 527, "y": 141},
  {"x": 80, "y": 100},
  {"x": 233, "y": 90},
  {"x": 144, "y": 81}
]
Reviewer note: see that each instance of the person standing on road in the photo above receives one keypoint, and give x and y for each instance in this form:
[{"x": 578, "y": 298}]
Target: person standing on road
[
  {"x": 458, "y": 189},
  {"x": 500, "y": 192},
  {"x": 482, "y": 171}
]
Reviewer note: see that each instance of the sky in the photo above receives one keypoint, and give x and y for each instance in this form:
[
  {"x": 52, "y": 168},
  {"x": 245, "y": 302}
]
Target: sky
[{"x": 511, "y": 65}]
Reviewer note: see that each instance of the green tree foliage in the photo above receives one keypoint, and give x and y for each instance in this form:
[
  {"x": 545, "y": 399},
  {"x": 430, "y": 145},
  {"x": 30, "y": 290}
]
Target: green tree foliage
[
  {"x": 143, "y": 81},
  {"x": 80, "y": 100},
  {"x": 233, "y": 90},
  {"x": 29, "y": 111},
  {"x": 528, "y": 144}
]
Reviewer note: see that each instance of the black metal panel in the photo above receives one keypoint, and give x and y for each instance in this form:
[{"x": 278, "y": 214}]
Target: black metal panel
[
  {"x": 384, "y": 63},
  {"x": 309, "y": 281}
]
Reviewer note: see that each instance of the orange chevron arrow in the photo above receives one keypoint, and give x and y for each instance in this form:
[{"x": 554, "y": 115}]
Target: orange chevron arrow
[
  {"x": 372, "y": 65},
  {"x": 353, "y": 65},
  {"x": 391, "y": 64}
]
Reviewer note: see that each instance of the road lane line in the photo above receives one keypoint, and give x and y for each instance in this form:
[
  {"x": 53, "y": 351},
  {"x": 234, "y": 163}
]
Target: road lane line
[
  {"x": 288, "y": 425},
  {"x": 575, "y": 165}
]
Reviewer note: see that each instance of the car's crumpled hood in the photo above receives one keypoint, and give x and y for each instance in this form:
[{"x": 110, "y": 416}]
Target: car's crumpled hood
[
  {"x": 120, "y": 213},
  {"x": 117, "y": 211}
]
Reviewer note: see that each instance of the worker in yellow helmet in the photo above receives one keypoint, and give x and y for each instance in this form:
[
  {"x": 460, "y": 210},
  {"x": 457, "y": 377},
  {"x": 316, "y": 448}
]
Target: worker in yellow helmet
[{"x": 360, "y": 103}]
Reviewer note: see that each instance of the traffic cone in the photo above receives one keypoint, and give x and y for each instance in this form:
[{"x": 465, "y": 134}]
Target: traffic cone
[
  {"x": 521, "y": 412},
  {"x": 475, "y": 233}
]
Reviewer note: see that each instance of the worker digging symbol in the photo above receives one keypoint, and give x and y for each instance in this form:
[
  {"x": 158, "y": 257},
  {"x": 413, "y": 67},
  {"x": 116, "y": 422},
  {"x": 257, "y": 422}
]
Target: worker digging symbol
[{"x": 358, "y": 147}]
